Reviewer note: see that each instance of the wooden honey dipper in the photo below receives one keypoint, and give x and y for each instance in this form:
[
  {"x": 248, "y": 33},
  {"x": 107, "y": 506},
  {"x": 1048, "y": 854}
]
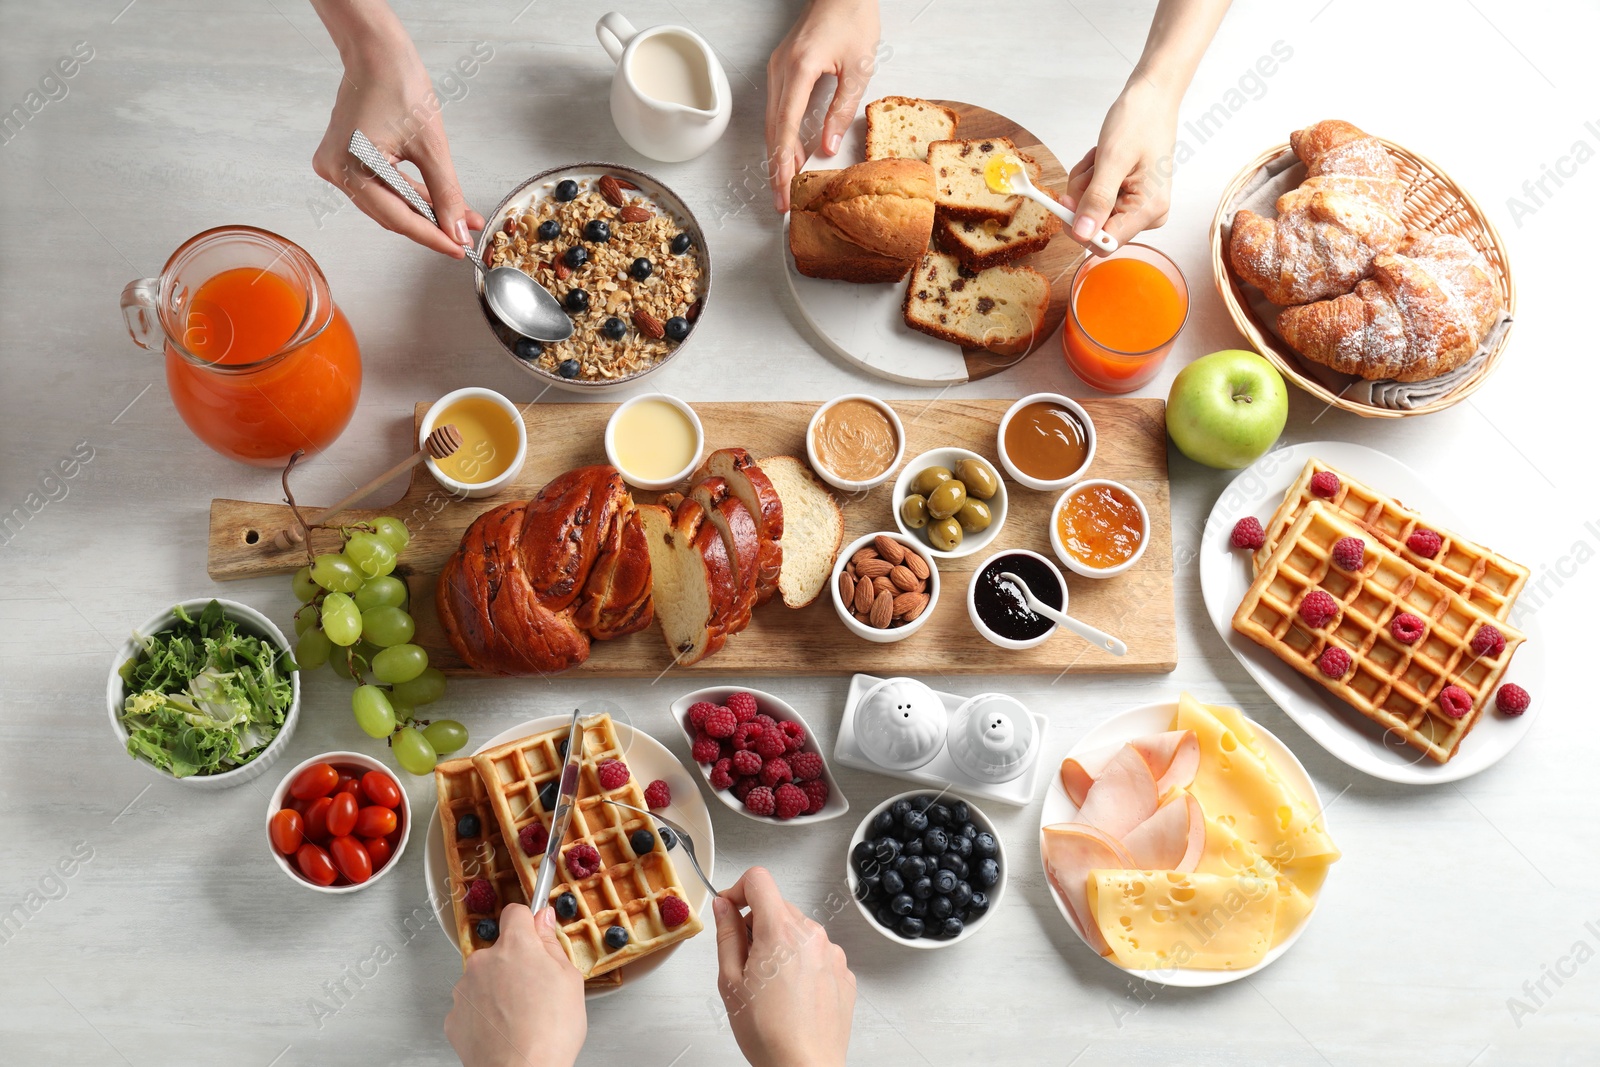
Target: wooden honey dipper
[{"x": 442, "y": 442}]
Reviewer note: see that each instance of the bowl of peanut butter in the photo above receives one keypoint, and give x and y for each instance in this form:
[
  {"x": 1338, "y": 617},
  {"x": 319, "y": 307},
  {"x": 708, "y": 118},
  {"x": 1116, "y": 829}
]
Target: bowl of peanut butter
[{"x": 855, "y": 442}]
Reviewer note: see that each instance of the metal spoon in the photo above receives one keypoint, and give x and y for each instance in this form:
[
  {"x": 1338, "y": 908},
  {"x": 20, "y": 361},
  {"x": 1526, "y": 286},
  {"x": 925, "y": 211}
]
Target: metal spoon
[
  {"x": 516, "y": 299},
  {"x": 1011, "y": 176},
  {"x": 1095, "y": 637}
]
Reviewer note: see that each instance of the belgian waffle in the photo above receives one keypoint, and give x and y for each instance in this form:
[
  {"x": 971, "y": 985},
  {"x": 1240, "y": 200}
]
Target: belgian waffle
[
  {"x": 1480, "y": 576},
  {"x": 461, "y": 792},
  {"x": 1394, "y": 684},
  {"x": 628, "y": 888}
]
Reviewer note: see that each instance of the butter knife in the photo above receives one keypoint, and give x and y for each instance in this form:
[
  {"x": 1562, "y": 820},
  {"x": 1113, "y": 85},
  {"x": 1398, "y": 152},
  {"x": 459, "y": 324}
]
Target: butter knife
[{"x": 563, "y": 817}]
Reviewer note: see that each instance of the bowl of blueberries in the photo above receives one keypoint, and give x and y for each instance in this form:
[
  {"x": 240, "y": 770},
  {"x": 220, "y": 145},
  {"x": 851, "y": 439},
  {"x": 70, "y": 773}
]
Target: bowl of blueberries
[
  {"x": 623, "y": 255},
  {"x": 926, "y": 869}
]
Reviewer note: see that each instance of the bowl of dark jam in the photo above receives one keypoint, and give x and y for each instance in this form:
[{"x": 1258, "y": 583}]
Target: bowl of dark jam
[{"x": 997, "y": 607}]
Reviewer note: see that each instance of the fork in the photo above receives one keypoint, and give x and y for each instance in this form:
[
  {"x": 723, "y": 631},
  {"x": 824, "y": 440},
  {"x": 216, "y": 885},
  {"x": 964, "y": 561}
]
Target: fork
[{"x": 679, "y": 832}]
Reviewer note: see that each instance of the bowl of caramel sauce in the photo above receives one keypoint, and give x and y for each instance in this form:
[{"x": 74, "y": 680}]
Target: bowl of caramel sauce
[{"x": 1046, "y": 441}]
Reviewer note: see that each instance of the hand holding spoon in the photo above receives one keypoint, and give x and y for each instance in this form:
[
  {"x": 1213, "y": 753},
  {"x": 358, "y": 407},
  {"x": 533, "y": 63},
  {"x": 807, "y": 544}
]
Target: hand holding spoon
[
  {"x": 1007, "y": 174},
  {"x": 1099, "y": 638},
  {"x": 515, "y": 298}
]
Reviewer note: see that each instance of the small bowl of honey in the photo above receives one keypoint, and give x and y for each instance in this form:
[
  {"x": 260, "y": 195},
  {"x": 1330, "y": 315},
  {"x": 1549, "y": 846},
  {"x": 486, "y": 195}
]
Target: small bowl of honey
[
  {"x": 1099, "y": 528},
  {"x": 494, "y": 442},
  {"x": 1046, "y": 441}
]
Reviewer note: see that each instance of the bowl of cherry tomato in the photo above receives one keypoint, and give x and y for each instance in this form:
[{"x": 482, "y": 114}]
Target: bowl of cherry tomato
[{"x": 338, "y": 822}]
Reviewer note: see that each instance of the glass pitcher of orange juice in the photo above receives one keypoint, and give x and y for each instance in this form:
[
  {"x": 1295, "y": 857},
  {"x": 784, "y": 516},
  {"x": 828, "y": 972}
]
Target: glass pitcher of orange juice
[{"x": 260, "y": 361}]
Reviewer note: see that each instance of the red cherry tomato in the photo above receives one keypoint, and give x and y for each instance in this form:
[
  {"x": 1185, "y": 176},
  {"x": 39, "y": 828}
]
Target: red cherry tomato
[
  {"x": 351, "y": 786},
  {"x": 381, "y": 789},
  {"x": 316, "y": 819},
  {"x": 315, "y": 865},
  {"x": 378, "y": 848},
  {"x": 295, "y": 804},
  {"x": 351, "y": 858},
  {"x": 374, "y": 821},
  {"x": 287, "y": 831},
  {"x": 342, "y": 811},
  {"x": 317, "y": 780}
]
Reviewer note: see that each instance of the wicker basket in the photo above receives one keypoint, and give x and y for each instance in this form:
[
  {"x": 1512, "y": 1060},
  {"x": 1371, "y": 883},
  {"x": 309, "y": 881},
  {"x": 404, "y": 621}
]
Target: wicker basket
[{"x": 1432, "y": 202}]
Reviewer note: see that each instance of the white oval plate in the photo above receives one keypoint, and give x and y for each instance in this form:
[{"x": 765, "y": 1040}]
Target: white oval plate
[
  {"x": 1363, "y": 744},
  {"x": 837, "y": 803},
  {"x": 648, "y": 759},
  {"x": 1153, "y": 719}
]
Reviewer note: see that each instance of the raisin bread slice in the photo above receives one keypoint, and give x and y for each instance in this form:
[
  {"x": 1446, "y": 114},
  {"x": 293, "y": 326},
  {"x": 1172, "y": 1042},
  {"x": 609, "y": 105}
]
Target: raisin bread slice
[
  {"x": 754, "y": 489},
  {"x": 981, "y": 245},
  {"x": 740, "y": 536},
  {"x": 962, "y": 192},
  {"x": 692, "y": 581},
  {"x": 1001, "y": 309},
  {"x": 902, "y": 127}
]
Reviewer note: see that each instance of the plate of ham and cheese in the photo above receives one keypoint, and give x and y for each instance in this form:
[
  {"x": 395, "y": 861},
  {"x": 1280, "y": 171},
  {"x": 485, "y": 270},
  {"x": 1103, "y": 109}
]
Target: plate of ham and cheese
[{"x": 1184, "y": 843}]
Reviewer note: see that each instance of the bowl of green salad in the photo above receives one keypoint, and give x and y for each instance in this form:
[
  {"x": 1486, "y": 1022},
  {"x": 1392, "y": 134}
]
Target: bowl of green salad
[{"x": 206, "y": 693}]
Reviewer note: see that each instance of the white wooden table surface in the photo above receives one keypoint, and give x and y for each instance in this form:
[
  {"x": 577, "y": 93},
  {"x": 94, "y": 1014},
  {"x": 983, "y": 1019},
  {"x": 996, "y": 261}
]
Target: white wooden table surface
[{"x": 177, "y": 942}]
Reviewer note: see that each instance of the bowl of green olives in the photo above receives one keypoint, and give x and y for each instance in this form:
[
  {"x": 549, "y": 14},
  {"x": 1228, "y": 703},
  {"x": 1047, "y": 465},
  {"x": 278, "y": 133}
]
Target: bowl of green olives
[{"x": 952, "y": 500}]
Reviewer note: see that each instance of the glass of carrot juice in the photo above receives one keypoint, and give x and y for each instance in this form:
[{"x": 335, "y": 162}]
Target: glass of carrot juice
[
  {"x": 260, "y": 361},
  {"x": 1125, "y": 311}
]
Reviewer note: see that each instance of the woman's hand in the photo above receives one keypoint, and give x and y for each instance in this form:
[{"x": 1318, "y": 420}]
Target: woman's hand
[
  {"x": 386, "y": 94},
  {"x": 520, "y": 1000},
  {"x": 838, "y": 37},
  {"x": 1123, "y": 185},
  {"x": 789, "y": 993}
]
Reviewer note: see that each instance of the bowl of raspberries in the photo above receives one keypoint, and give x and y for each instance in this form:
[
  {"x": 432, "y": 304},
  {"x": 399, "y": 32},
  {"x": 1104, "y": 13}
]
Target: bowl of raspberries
[
  {"x": 758, "y": 756},
  {"x": 926, "y": 869}
]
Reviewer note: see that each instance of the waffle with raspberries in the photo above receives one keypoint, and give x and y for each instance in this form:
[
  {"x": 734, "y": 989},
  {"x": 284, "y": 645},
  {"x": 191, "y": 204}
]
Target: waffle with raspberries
[
  {"x": 1482, "y": 577},
  {"x": 615, "y": 909},
  {"x": 1429, "y": 690},
  {"x": 479, "y": 857}
]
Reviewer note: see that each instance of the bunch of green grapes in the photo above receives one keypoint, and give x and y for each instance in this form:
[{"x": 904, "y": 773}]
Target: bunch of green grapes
[{"x": 353, "y": 616}]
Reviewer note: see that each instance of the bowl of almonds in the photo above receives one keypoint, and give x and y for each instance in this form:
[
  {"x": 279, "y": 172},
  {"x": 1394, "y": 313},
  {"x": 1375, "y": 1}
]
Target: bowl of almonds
[
  {"x": 885, "y": 586},
  {"x": 621, "y": 253}
]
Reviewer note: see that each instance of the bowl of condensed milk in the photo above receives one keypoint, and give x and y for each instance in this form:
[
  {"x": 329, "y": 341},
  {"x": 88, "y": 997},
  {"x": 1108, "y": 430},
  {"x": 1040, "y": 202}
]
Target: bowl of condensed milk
[
  {"x": 854, "y": 442},
  {"x": 655, "y": 440}
]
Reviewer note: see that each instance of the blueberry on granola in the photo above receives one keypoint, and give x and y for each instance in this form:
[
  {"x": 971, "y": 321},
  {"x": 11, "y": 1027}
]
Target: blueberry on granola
[
  {"x": 597, "y": 230},
  {"x": 614, "y": 328},
  {"x": 566, "y": 189},
  {"x": 575, "y": 257},
  {"x": 528, "y": 349},
  {"x": 549, "y": 230},
  {"x": 577, "y": 300},
  {"x": 569, "y": 369},
  {"x": 677, "y": 327},
  {"x": 681, "y": 244},
  {"x": 640, "y": 268}
]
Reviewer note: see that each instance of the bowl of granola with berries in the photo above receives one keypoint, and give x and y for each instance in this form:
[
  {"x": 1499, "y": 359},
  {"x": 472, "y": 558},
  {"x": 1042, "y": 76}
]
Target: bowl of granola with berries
[
  {"x": 758, "y": 756},
  {"x": 621, "y": 253}
]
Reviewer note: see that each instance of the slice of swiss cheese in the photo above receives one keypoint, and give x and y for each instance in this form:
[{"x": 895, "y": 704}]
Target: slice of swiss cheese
[
  {"x": 1228, "y": 854},
  {"x": 1237, "y": 785},
  {"x": 1157, "y": 920}
]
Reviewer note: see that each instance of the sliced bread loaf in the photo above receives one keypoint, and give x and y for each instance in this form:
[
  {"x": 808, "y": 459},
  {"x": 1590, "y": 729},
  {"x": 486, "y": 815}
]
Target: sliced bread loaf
[
  {"x": 963, "y": 193},
  {"x": 821, "y": 250},
  {"x": 813, "y": 529},
  {"x": 1001, "y": 309},
  {"x": 902, "y": 127},
  {"x": 740, "y": 537},
  {"x": 692, "y": 580},
  {"x": 981, "y": 245},
  {"x": 754, "y": 489}
]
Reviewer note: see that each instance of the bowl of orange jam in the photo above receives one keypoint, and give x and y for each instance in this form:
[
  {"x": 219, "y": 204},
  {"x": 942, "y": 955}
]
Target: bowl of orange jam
[{"x": 1099, "y": 528}]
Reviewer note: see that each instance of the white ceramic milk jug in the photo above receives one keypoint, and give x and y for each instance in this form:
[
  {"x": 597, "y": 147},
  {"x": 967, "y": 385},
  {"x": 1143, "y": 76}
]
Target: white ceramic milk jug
[{"x": 669, "y": 98}]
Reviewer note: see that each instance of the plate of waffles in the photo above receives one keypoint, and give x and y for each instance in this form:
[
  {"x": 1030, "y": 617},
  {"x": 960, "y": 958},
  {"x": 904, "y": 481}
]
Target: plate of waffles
[
  {"x": 1397, "y": 643},
  {"x": 500, "y": 802}
]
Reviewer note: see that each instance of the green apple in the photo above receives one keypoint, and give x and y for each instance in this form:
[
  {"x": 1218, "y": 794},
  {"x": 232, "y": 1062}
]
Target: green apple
[{"x": 1226, "y": 409}]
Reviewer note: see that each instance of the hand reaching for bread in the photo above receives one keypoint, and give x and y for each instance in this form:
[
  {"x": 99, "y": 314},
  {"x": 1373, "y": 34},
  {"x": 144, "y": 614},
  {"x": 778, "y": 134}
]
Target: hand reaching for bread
[{"x": 838, "y": 37}]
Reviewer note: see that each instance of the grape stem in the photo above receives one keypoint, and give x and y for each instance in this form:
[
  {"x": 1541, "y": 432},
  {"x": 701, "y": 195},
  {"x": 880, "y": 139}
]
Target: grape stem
[{"x": 307, "y": 527}]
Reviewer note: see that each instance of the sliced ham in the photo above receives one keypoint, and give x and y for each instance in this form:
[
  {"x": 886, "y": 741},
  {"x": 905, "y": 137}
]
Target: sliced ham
[
  {"x": 1173, "y": 758},
  {"x": 1173, "y": 839},
  {"x": 1071, "y": 851},
  {"x": 1123, "y": 795}
]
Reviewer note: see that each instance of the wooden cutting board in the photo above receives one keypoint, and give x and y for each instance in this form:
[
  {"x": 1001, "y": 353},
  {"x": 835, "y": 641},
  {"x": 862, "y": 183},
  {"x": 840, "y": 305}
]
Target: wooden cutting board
[
  {"x": 862, "y": 323},
  {"x": 1136, "y": 606}
]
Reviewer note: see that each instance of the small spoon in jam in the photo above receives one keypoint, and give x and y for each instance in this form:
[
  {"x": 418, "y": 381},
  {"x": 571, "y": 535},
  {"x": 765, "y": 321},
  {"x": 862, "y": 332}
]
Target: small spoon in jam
[
  {"x": 1098, "y": 638},
  {"x": 1006, "y": 174}
]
